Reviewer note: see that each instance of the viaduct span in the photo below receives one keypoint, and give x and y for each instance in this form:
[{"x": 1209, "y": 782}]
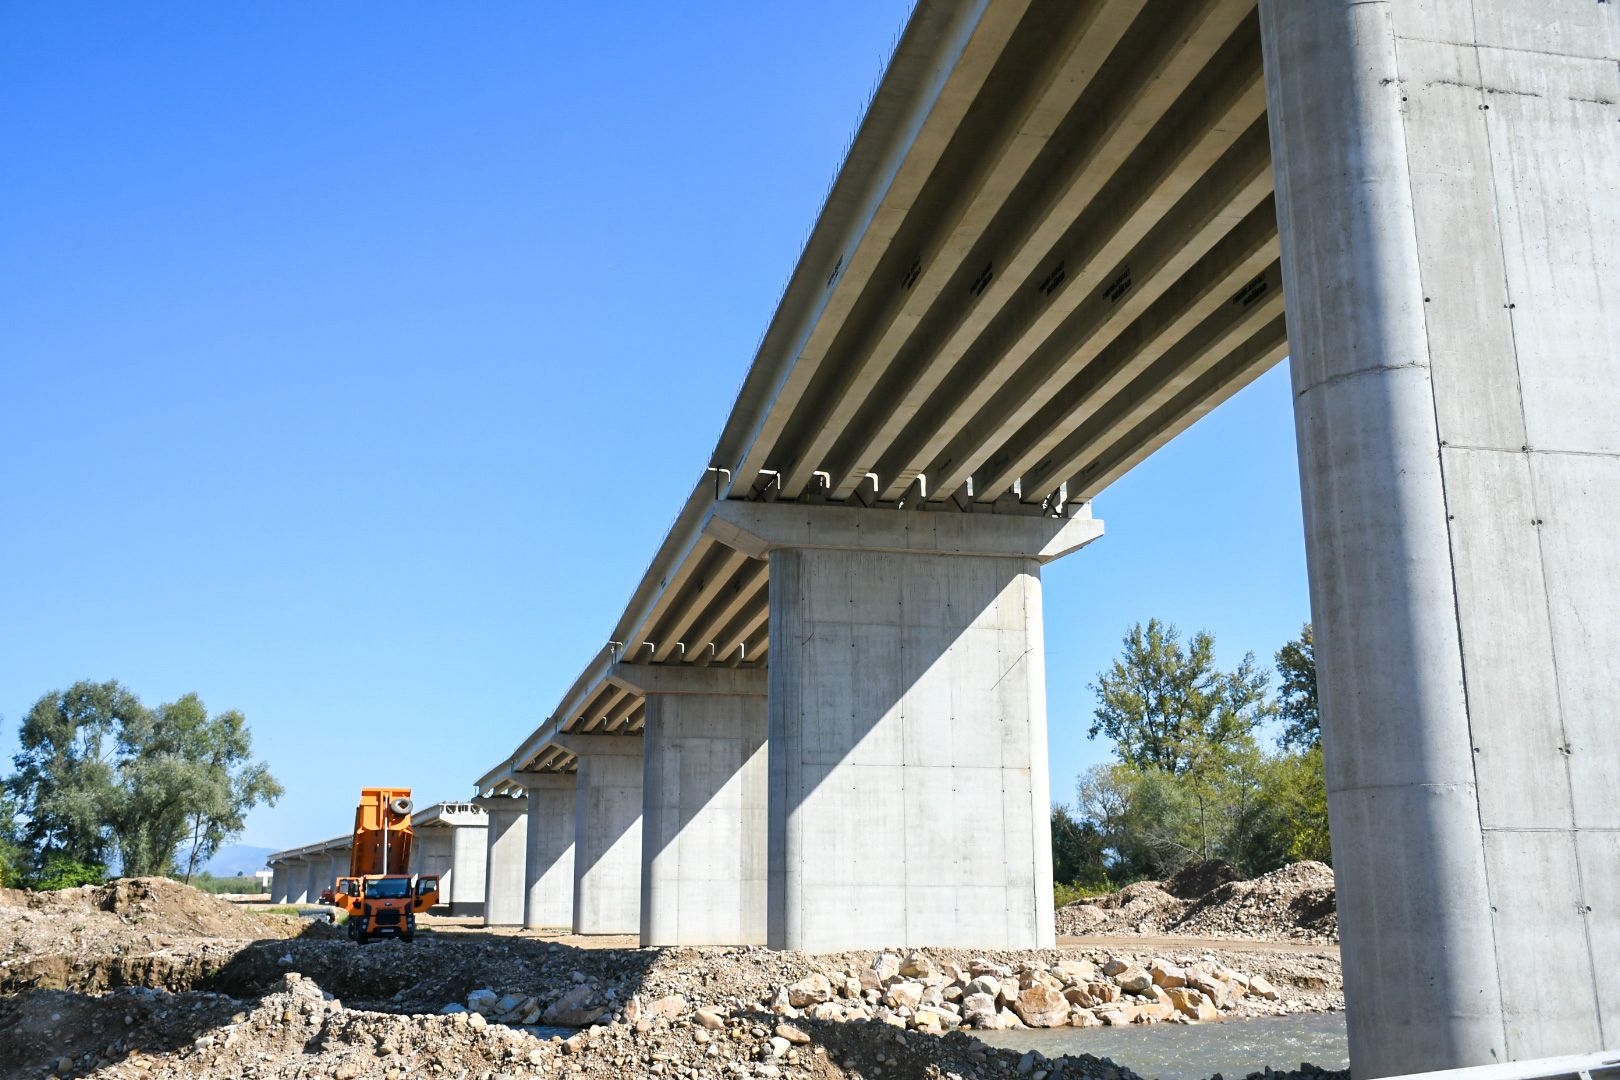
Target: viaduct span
[{"x": 1065, "y": 230}]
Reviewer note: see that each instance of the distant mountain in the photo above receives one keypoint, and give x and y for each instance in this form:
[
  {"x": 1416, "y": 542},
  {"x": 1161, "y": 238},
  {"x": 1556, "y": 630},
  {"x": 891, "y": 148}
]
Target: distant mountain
[{"x": 234, "y": 859}]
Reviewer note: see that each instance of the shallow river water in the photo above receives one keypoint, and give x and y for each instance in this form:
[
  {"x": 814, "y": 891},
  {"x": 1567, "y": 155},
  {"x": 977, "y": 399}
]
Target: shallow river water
[{"x": 1233, "y": 1048}]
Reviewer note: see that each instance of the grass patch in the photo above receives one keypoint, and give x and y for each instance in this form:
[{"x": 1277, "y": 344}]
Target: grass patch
[{"x": 1064, "y": 893}]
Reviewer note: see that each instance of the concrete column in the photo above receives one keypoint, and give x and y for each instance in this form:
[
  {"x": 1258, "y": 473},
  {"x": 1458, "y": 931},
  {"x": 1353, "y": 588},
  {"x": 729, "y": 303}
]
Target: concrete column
[
  {"x": 432, "y": 856},
  {"x": 468, "y": 858},
  {"x": 506, "y": 841},
  {"x": 278, "y": 883},
  {"x": 907, "y": 721},
  {"x": 704, "y": 804},
  {"x": 1451, "y": 247},
  {"x": 306, "y": 873},
  {"x": 607, "y": 833},
  {"x": 549, "y": 859}
]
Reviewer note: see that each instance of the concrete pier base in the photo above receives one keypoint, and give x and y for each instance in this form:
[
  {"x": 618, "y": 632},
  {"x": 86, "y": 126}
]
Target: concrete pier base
[
  {"x": 469, "y": 855},
  {"x": 1451, "y": 247},
  {"x": 549, "y": 860},
  {"x": 506, "y": 844},
  {"x": 607, "y": 833},
  {"x": 278, "y": 883},
  {"x": 907, "y": 722},
  {"x": 704, "y": 804}
]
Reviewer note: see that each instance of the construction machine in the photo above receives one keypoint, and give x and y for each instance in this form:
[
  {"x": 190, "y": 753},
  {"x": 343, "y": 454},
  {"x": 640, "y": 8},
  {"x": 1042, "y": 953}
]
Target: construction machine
[{"x": 380, "y": 894}]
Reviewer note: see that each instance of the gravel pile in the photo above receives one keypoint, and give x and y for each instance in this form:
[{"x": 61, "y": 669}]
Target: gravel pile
[{"x": 1294, "y": 903}]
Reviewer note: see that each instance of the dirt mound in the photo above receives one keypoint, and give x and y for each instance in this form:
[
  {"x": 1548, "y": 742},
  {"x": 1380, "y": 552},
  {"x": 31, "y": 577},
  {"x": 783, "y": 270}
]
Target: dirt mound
[
  {"x": 149, "y": 932},
  {"x": 1296, "y": 902},
  {"x": 1191, "y": 882}
]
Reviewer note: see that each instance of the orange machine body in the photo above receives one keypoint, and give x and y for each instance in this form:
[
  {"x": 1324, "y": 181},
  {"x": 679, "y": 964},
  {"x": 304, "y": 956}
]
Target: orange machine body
[{"x": 380, "y": 895}]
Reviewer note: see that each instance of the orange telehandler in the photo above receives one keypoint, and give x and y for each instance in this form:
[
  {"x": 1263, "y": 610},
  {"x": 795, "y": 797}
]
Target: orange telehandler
[{"x": 380, "y": 894}]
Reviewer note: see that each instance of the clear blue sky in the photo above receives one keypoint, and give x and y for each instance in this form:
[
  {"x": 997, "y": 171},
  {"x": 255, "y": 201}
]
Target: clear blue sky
[{"x": 354, "y": 359}]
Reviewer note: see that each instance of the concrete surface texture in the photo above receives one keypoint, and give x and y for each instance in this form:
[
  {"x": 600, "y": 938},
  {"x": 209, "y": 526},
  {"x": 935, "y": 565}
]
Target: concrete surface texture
[
  {"x": 549, "y": 860},
  {"x": 704, "y": 805},
  {"x": 1451, "y": 250},
  {"x": 469, "y": 854},
  {"x": 607, "y": 833},
  {"x": 907, "y": 728},
  {"x": 506, "y": 844}
]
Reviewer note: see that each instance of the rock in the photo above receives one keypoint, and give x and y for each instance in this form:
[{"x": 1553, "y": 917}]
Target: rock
[
  {"x": 482, "y": 1001},
  {"x": 1040, "y": 1006},
  {"x": 887, "y": 967},
  {"x": 1166, "y": 974},
  {"x": 449, "y": 1010},
  {"x": 810, "y": 990},
  {"x": 666, "y": 1008},
  {"x": 779, "y": 1046},
  {"x": 1134, "y": 980},
  {"x": 917, "y": 966},
  {"x": 1009, "y": 1019},
  {"x": 505, "y": 1005},
  {"x": 1076, "y": 972},
  {"x": 1084, "y": 1018},
  {"x": 1114, "y": 966},
  {"x": 711, "y": 1019},
  {"x": 1260, "y": 986},
  {"x": 1118, "y": 1016},
  {"x": 982, "y": 984},
  {"x": 1201, "y": 977},
  {"x": 794, "y": 1035},
  {"x": 979, "y": 1011},
  {"x": 954, "y": 974},
  {"x": 1192, "y": 1003},
  {"x": 904, "y": 994},
  {"x": 573, "y": 1009}
]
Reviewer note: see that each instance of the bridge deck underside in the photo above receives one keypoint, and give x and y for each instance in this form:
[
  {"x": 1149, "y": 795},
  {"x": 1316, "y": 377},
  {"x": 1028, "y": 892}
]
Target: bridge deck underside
[{"x": 1052, "y": 247}]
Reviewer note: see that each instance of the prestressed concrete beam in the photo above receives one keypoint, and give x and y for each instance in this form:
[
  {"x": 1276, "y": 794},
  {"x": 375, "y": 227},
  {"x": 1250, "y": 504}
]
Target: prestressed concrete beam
[
  {"x": 649, "y": 679},
  {"x": 760, "y": 528}
]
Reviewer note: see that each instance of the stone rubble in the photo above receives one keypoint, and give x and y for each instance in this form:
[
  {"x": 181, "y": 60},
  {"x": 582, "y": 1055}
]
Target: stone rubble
[
  {"x": 1294, "y": 903},
  {"x": 137, "y": 998}
]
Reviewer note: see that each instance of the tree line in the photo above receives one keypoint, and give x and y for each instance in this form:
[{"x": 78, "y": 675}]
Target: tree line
[
  {"x": 1192, "y": 778},
  {"x": 102, "y": 780}
]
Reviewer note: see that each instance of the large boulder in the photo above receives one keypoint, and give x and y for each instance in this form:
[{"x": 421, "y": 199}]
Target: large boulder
[
  {"x": 810, "y": 990},
  {"x": 1041, "y": 1007}
]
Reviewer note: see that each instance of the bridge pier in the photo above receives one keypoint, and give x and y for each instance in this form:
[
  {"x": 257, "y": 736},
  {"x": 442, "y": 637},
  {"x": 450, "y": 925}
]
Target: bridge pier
[
  {"x": 703, "y": 831},
  {"x": 907, "y": 724},
  {"x": 1450, "y": 247},
  {"x": 506, "y": 846},
  {"x": 549, "y": 859},
  {"x": 464, "y": 890},
  {"x": 607, "y": 833}
]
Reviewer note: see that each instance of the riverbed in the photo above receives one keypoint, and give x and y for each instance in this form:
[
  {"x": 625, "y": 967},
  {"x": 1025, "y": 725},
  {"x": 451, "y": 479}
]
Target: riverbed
[{"x": 1232, "y": 1048}]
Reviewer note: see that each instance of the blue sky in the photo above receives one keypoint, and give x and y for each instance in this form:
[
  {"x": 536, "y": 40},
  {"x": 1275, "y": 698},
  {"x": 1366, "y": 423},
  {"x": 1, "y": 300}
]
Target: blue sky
[{"x": 355, "y": 358}]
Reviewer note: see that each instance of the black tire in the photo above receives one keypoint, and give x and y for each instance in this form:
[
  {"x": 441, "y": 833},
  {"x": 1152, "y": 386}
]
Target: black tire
[
  {"x": 409, "y": 935},
  {"x": 361, "y": 936}
]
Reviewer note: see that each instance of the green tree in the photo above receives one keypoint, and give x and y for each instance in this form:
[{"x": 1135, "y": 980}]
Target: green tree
[
  {"x": 1169, "y": 708},
  {"x": 1296, "y": 692},
  {"x": 98, "y": 772},
  {"x": 12, "y": 862},
  {"x": 66, "y": 770},
  {"x": 1077, "y": 850},
  {"x": 189, "y": 781}
]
